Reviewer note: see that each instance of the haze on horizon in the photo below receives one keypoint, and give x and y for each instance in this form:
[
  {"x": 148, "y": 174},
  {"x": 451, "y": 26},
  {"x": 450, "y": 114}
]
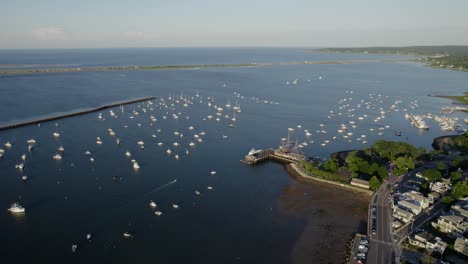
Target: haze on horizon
[{"x": 244, "y": 23}]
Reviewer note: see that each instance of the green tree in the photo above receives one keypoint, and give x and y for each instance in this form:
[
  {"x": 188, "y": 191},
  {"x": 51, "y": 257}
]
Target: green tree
[
  {"x": 331, "y": 165},
  {"x": 432, "y": 175},
  {"x": 374, "y": 183},
  {"x": 382, "y": 172},
  {"x": 460, "y": 190},
  {"x": 441, "y": 166},
  {"x": 455, "y": 175},
  {"x": 447, "y": 199}
]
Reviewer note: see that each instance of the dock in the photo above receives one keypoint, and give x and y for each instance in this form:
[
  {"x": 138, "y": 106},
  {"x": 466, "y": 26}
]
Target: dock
[
  {"x": 278, "y": 155},
  {"x": 71, "y": 114}
]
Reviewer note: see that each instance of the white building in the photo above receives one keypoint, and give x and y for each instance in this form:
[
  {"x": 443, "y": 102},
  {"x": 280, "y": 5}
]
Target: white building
[
  {"x": 418, "y": 199},
  {"x": 403, "y": 215},
  {"x": 413, "y": 208},
  {"x": 439, "y": 187},
  {"x": 428, "y": 241},
  {"x": 454, "y": 222}
]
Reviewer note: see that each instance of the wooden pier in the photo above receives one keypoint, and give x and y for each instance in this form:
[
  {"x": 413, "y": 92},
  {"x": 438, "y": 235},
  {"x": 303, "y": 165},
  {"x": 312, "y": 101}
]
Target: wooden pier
[
  {"x": 81, "y": 112},
  {"x": 257, "y": 156}
]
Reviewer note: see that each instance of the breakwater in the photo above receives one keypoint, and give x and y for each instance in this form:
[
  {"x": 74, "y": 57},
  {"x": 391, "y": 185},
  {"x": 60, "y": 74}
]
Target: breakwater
[{"x": 76, "y": 113}]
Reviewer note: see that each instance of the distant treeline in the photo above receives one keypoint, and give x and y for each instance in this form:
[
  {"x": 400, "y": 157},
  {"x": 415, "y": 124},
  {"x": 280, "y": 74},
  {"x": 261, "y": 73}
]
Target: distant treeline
[{"x": 452, "y": 57}]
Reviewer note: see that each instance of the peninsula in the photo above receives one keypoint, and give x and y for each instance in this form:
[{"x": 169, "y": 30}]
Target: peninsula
[{"x": 447, "y": 57}]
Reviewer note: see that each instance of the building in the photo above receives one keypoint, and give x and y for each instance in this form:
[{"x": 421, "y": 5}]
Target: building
[
  {"x": 360, "y": 183},
  {"x": 418, "y": 199},
  {"x": 428, "y": 241},
  {"x": 439, "y": 187},
  {"x": 455, "y": 222},
  {"x": 413, "y": 208},
  {"x": 403, "y": 215},
  {"x": 461, "y": 245},
  {"x": 451, "y": 224}
]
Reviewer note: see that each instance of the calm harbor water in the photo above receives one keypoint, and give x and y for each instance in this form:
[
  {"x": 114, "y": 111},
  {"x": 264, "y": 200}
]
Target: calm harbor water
[{"x": 243, "y": 218}]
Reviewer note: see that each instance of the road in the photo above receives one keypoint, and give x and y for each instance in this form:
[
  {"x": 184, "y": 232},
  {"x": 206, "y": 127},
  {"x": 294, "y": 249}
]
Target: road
[{"x": 380, "y": 246}]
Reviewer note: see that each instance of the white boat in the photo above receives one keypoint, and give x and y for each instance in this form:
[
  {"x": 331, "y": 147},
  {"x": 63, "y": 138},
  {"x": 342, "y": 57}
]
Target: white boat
[
  {"x": 175, "y": 206},
  {"x": 88, "y": 236},
  {"x": 140, "y": 143},
  {"x": 158, "y": 213},
  {"x": 127, "y": 234},
  {"x": 16, "y": 208},
  {"x": 31, "y": 141},
  {"x": 87, "y": 152},
  {"x": 197, "y": 192},
  {"x": 128, "y": 154},
  {"x": 23, "y": 157},
  {"x": 175, "y": 144},
  {"x": 61, "y": 149},
  {"x": 57, "y": 157},
  {"x": 176, "y": 157},
  {"x": 209, "y": 188},
  {"x": 91, "y": 159},
  {"x": 160, "y": 143},
  {"x": 74, "y": 247},
  {"x": 190, "y": 128},
  {"x": 55, "y": 134},
  {"x": 24, "y": 178},
  {"x": 168, "y": 151},
  {"x": 8, "y": 144},
  {"x": 213, "y": 172},
  {"x": 192, "y": 144},
  {"x": 224, "y": 137},
  {"x": 153, "y": 204},
  {"x": 136, "y": 166}
]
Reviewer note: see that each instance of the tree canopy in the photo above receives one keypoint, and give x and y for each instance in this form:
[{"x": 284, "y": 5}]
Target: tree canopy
[{"x": 432, "y": 175}]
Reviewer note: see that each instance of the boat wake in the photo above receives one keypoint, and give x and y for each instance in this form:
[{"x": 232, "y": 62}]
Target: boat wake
[{"x": 161, "y": 187}]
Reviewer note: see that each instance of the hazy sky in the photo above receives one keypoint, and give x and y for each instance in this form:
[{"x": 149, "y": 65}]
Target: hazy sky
[{"x": 180, "y": 23}]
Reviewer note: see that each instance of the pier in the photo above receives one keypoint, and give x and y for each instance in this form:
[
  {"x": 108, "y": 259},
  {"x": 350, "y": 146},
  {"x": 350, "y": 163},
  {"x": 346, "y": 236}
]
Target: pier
[
  {"x": 278, "y": 155},
  {"x": 81, "y": 112}
]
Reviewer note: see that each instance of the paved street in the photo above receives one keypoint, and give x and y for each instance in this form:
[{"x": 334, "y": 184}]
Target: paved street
[{"x": 380, "y": 248}]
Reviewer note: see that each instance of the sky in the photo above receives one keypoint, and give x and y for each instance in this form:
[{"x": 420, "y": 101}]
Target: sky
[{"x": 26, "y": 24}]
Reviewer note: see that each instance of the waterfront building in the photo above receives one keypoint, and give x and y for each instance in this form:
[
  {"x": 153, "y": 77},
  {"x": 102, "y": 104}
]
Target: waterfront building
[{"x": 360, "y": 183}]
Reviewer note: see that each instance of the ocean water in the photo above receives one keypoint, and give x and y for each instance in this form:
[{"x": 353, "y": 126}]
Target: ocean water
[{"x": 239, "y": 220}]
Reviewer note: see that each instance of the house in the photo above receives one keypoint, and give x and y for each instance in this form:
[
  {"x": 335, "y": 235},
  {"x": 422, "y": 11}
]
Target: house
[
  {"x": 417, "y": 198},
  {"x": 413, "y": 208},
  {"x": 455, "y": 222},
  {"x": 439, "y": 187},
  {"x": 428, "y": 241},
  {"x": 360, "y": 183},
  {"x": 461, "y": 245},
  {"x": 403, "y": 215},
  {"x": 451, "y": 224}
]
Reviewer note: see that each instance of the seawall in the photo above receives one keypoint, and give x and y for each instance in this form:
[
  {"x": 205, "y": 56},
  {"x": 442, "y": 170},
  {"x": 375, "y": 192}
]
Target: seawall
[{"x": 81, "y": 112}]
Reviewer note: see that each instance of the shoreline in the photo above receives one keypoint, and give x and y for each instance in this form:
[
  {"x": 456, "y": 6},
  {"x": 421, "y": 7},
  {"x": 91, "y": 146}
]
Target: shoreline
[{"x": 296, "y": 171}]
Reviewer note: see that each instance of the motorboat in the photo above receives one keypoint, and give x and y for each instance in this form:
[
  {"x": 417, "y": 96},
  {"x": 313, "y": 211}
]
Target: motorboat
[
  {"x": 153, "y": 204},
  {"x": 158, "y": 213},
  {"x": 57, "y": 157},
  {"x": 175, "y": 206},
  {"x": 136, "y": 166},
  {"x": 213, "y": 172},
  {"x": 16, "y": 208},
  {"x": 55, "y": 134},
  {"x": 74, "y": 248}
]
